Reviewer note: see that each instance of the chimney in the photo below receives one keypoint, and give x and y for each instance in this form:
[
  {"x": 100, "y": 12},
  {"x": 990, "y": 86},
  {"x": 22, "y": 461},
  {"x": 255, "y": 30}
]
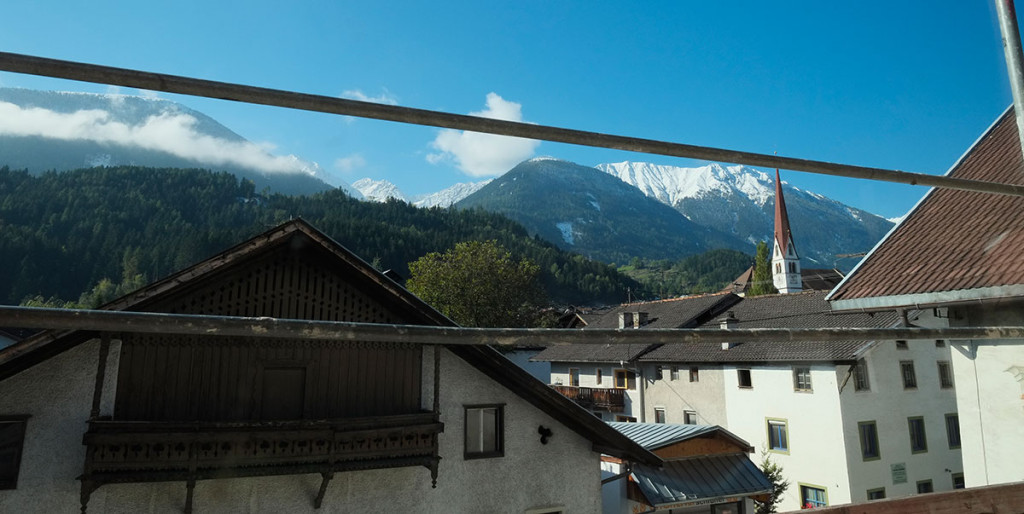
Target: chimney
[
  {"x": 639, "y": 319},
  {"x": 625, "y": 320},
  {"x": 726, "y": 323}
]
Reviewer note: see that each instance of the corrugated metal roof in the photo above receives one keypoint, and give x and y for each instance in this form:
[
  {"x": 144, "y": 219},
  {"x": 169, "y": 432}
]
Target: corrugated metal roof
[
  {"x": 658, "y": 435},
  {"x": 711, "y": 476}
]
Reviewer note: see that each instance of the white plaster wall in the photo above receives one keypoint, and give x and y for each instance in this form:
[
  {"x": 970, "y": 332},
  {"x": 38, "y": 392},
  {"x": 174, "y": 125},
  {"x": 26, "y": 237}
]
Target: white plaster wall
[
  {"x": 889, "y": 405},
  {"x": 990, "y": 398},
  {"x": 564, "y": 473},
  {"x": 706, "y": 396},
  {"x": 58, "y": 395},
  {"x": 814, "y": 421}
]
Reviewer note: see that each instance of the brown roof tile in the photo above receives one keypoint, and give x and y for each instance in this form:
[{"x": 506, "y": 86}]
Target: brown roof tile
[{"x": 954, "y": 240}]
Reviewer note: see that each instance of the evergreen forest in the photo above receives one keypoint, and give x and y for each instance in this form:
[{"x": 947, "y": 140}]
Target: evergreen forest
[{"x": 114, "y": 228}]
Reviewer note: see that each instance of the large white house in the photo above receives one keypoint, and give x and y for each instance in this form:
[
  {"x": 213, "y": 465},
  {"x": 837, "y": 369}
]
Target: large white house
[
  {"x": 138, "y": 422},
  {"x": 958, "y": 256}
]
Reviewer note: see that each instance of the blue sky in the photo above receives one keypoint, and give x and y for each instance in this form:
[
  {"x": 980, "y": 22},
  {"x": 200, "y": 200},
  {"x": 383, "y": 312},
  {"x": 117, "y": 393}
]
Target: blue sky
[{"x": 903, "y": 85}]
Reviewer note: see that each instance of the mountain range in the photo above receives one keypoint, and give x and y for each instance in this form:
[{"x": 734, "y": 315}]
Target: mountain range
[{"x": 611, "y": 212}]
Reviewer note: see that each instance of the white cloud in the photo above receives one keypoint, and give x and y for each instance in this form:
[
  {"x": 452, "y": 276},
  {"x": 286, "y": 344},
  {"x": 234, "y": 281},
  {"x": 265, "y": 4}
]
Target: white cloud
[
  {"x": 385, "y": 97},
  {"x": 485, "y": 155},
  {"x": 171, "y": 132},
  {"x": 349, "y": 163}
]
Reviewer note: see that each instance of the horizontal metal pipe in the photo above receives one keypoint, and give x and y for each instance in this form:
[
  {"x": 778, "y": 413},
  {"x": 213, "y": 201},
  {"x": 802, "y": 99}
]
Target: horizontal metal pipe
[
  {"x": 19, "y": 63},
  {"x": 189, "y": 324}
]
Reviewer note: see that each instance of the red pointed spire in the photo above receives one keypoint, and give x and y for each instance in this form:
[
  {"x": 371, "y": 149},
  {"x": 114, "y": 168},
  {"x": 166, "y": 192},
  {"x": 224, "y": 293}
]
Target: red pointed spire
[{"x": 782, "y": 233}]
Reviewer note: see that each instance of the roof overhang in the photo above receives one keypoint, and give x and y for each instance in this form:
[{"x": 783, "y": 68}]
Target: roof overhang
[{"x": 993, "y": 294}]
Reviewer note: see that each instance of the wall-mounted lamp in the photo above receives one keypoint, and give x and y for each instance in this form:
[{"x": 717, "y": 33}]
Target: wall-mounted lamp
[{"x": 545, "y": 433}]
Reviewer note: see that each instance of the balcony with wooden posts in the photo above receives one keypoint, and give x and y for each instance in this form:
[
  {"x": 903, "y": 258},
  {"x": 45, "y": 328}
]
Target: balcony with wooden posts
[{"x": 594, "y": 398}]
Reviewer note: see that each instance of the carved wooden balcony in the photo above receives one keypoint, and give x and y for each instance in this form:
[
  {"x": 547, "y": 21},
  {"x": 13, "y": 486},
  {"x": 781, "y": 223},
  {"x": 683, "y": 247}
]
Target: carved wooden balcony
[
  {"x": 594, "y": 398},
  {"x": 140, "y": 451}
]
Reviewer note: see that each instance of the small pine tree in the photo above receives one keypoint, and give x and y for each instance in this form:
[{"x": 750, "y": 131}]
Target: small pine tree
[
  {"x": 762, "y": 279},
  {"x": 773, "y": 472}
]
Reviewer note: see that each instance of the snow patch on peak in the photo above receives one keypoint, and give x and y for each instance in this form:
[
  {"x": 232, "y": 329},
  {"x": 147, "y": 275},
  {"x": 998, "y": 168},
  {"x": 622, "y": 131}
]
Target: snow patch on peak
[
  {"x": 377, "y": 190},
  {"x": 672, "y": 184},
  {"x": 565, "y": 227},
  {"x": 542, "y": 158},
  {"x": 448, "y": 197}
]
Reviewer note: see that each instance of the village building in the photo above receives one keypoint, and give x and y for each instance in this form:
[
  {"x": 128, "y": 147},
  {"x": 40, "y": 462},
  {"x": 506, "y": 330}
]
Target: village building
[
  {"x": 957, "y": 256},
  {"x": 131, "y": 421},
  {"x": 707, "y": 469}
]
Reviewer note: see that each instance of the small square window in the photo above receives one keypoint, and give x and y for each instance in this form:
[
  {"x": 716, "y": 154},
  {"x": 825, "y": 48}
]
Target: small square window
[
  {"x": 625, "y": 379},
  {"x": 812, "y": 497},
  {"x": 924, "y": 486},
  {"x": 690, "y": 417},
  {"x": 802, "y": 378},
  {"x": 953, "y": 430},
  {"x": 860, "y": 377},
  {"x": 868, "y": 440},
  {"x": 12, "y": 439},
  {"x": 876, "y": 494},
  {"x": 901, "y": 345},
  {"x": 918, "y": 438},
  {"x": 694, "y": 374},
  {"x": 778, "y": 435},
  {"x": 659, "y": 372},
  {"x": 939, "y": 343},
  {"x": 574, "y": 377},
  {"x": 945, "y": 375},
  {"x": 484, "y": 431},
  {"x": 659, "y": 414},
  {"x": 907, "y": 372},
  {"x": 743, "y": 375},
  {"x": 674, "y": 374},
  {"x": 958, "y": 480}
]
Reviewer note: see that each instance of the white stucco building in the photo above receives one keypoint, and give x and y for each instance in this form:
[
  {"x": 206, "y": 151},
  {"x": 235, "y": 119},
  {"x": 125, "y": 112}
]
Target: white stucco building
[
  {"x": 957, "y": 256},
  {"x": 172, "y": 423}
]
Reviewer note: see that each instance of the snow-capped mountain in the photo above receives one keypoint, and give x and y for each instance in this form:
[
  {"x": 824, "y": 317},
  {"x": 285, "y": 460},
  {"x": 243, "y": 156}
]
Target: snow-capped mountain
[
  {"x": 377, "y": 190},
  {"x": 54, "y": 130},
  {"x": 740, "y": 200},
  {"x": 448, "y": 197}
]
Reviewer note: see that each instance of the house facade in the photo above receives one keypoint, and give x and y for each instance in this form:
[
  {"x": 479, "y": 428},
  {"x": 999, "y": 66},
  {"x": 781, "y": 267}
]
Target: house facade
[
  {"x": 957, "y": 256},
  {"x": 848, "y": 421},
  {"x": 136, "y": 422}
]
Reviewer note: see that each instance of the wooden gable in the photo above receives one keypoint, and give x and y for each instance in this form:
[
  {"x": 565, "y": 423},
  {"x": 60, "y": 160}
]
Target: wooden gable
[
  {"x": 707, "y": 444},
  {"x": 204, "y": 378}
]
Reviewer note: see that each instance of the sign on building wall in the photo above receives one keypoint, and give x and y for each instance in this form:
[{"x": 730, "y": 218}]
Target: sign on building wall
[{"x": 899, "y": 473}]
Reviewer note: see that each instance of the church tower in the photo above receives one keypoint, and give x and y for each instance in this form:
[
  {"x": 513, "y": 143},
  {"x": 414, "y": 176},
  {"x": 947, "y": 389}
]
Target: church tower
[{"x": 785, "y": 261}]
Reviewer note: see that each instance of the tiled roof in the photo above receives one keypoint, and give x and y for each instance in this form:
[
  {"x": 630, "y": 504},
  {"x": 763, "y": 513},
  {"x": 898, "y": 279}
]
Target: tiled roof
[
  {"x": 674, "y": 313},
  {"x": 812, "y": 279},
  {"x": 953, "y": 240},
  {"x": 796, "y": 310},
  {"x": 701, "y": 478}
]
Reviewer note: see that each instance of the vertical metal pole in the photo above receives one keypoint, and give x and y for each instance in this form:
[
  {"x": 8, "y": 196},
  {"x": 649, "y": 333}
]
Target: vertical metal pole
[
  {"x": 1014, "y": 59},
  {"x": 101, "y": 373}
]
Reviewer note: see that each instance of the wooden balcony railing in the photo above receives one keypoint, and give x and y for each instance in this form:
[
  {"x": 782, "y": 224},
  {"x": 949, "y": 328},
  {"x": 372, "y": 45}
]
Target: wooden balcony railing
[
  {"x": 139, "y": 451},
  {"x": 593, "y": 398}
]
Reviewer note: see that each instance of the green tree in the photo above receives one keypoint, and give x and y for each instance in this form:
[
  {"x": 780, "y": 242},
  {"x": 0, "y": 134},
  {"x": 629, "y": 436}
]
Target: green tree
[
  {"x": 478, "y": 284},
  {"x": 762, "y": 279},
  {"x": 773, "y": 472}
]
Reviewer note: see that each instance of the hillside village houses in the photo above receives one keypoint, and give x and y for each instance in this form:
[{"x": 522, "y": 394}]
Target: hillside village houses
[
  {"x": 957, "y": 257},
  {"x": 142, "y": 422},
  {"x": 848, "y": 421}
]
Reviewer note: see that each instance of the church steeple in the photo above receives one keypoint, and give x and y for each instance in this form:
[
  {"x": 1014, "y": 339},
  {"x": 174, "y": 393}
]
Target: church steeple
[{"x": 785, "y": 261}]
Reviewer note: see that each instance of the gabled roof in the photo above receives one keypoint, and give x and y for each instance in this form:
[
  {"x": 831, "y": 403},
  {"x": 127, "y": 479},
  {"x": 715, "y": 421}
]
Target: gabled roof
[
  {"x": 696, "y": 478},
  {"x": 675, "y": 313},
  {"x": 409, "y": 308},
  {"x": 954, "y": 246},
  {"x": 654, "y": 436},
  {"x": 806, "y": 309}
]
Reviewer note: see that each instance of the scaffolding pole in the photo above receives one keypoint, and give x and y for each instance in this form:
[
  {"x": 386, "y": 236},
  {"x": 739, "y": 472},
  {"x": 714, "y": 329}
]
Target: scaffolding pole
[
  {"x": 229, "y": 326},
  {"x": 19, "y": 63}
]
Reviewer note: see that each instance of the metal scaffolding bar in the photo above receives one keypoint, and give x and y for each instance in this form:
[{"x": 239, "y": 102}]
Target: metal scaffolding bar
[
  {"x": 190, "y": 324},
  {"x": 19, "y": 63}
]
